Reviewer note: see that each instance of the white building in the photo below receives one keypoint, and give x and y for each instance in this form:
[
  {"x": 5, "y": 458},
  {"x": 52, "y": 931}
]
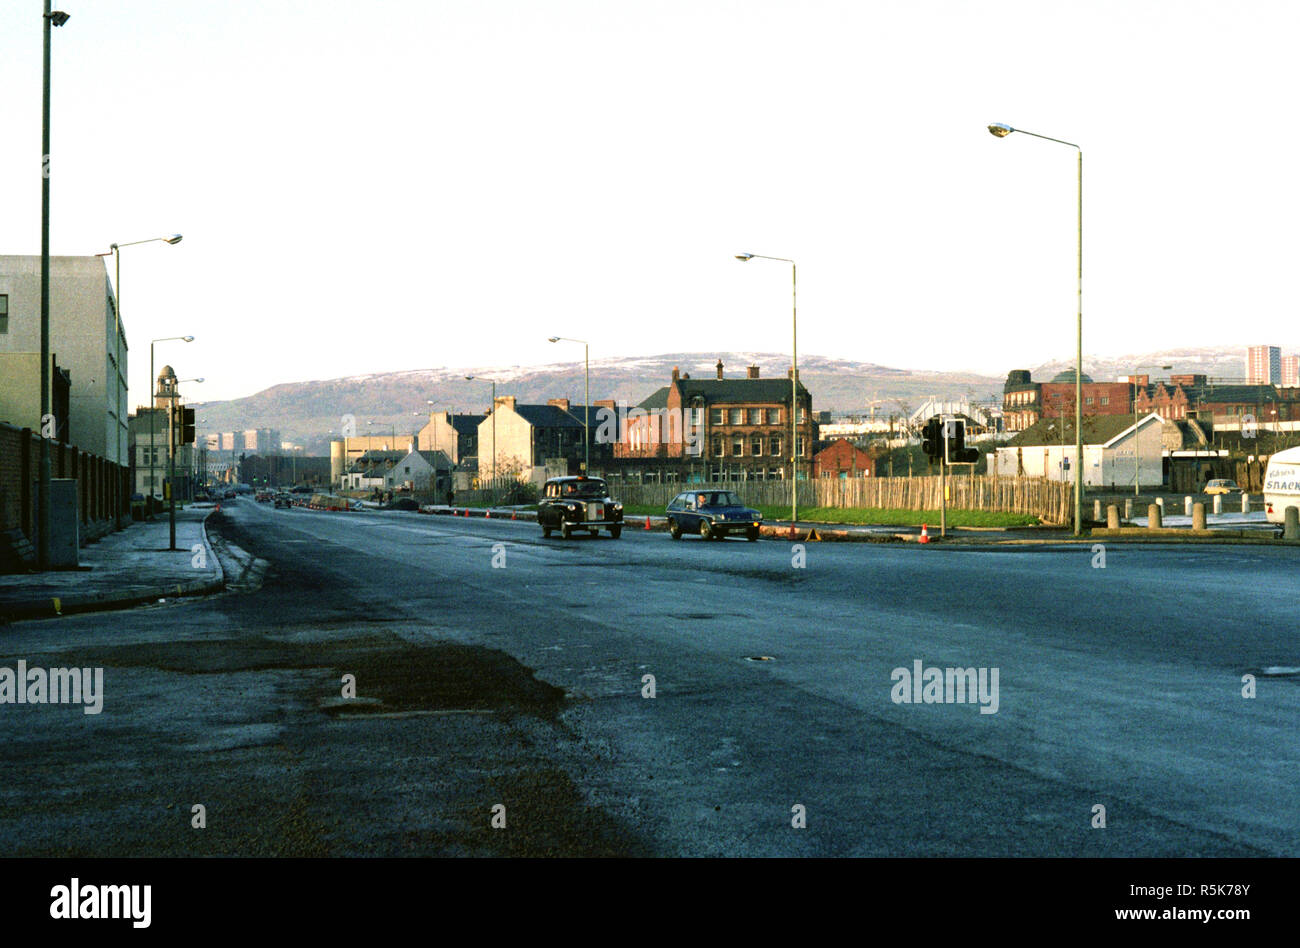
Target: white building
[{"x": 1114, "y": 451}]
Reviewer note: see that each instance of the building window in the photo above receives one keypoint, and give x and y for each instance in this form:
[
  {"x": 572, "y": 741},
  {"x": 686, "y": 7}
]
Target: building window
[
  {"x": 717, "y": 447},
  {"x": 803, "y": 415},
  {"x": 775, "y": 447},
  {"x": 801, "y": 445},
  {"x": 738, "y": 446},
  {"x": 756, "y": 416},
  {"x": 1105, "y": 399},
  {"x": 1088, "y": 400},
  {"x": 737, "y": 416},
  {"x": 774, "y": 416},
  {"x": 697, "y": 416},
  {"x": 756, "y": 446},
  {"x": 718, "y": 416},
  {"x": 4, "y": 313}
]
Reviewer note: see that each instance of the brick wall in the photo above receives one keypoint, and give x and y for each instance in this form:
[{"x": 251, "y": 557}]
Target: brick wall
[{"x": 101, "y": 485}]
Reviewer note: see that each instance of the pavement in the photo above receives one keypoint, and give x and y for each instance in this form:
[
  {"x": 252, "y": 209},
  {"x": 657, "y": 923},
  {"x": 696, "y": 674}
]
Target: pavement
[{"x": 125, "y": 568}]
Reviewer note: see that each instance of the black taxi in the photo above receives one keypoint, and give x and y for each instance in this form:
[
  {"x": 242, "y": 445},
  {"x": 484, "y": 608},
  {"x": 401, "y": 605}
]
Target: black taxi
[{"x": 578, "y": 503}]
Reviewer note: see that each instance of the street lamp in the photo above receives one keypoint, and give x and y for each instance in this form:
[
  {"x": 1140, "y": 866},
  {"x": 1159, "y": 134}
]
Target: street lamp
[
  {"x": 115, "y": 250},
  {"x": 794, "y": 378},
  {"x": 153, "y": 383},
  {"x": 586, "y": 406},
  {"x": 470, "y": 378},
  {"x": 52, "y": 18},
  {"x": 1136, "y": 460},
  {"x": 171, "y": 459},
  {"x": 1000, "y": 130}
]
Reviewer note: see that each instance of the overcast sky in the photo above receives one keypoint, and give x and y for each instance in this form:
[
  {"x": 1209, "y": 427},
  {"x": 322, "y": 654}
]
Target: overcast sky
[{"x": 373, "y": 186}]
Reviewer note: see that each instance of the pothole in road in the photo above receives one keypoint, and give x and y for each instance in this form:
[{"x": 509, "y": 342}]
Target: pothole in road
[{"x": 760, "y": 658}]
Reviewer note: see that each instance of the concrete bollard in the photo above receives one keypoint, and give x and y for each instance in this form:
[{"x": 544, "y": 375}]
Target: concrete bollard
[
  {"x": 1096, "y": 510},
  {"x": 1198, "y": 516},
  {"x": 1245, "y": 502},
  {"x": 1128, "y": 509},
  {"x": 1112, "y": 516},
  {"x": 1291, "y": 524},
  {"x": 1161, "y": 502},
  {"x": 1218, "y": 503},
  {"x": 1154, "y": 520},
  {"x": 1187, "y": 506}
]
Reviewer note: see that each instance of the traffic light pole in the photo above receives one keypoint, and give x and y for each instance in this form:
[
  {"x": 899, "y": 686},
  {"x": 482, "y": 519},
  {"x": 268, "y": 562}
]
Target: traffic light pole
[
  {"x": 943, "y": 484},
  {"x": 171, "y": 470}
]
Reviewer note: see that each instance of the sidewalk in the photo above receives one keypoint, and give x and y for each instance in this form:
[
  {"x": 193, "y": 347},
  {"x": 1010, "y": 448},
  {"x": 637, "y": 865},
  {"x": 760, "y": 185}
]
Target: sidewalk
[{"x": 122, "y": 569}]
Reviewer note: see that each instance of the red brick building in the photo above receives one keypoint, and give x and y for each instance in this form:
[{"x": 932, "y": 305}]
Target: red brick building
[
  {"x": 718, "y": 429},
  {"x": 1025, "y": 402},
  {"x": 843, "y": 459}
]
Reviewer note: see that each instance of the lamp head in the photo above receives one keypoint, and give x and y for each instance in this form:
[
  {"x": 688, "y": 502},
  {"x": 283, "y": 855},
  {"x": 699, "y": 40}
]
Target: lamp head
[
  {"x": 553, "y": 339},
  {"x": 469, "y": 378},
  {"x": 173, "y": 239},
  {"x": 187, "y": 338},
  {"x": 1000, "y": 130},
  {"x": 742, "y": 257},
  {"x": 58, "y": 17}
]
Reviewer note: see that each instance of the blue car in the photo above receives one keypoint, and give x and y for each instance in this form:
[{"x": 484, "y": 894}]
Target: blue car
[{"x": 712, "y": 514}]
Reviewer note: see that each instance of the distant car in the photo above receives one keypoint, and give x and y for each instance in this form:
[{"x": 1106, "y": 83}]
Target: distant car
[
  {"x": 1222, "y": 485},
  {"x": 282, "y": 500},
  {"x": 712, "y": 514},
  {"x": 578, "y": 503}
]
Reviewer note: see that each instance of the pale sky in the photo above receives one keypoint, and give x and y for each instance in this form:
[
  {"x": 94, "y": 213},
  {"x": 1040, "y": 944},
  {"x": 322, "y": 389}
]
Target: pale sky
[{"x": 376, "y": 186}]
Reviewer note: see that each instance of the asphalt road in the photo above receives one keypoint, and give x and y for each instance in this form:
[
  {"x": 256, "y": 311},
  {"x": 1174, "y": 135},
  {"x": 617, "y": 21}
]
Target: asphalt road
[{"x": 521, "y": 684}]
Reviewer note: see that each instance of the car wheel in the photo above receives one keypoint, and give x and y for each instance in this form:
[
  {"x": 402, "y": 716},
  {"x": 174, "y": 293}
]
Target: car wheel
[
  {"x": 546, "y": 533},
  {"x": 566, "y": 531},
  {"x": 706, "y": 531},
  {"x": 751, "y": 534},
  {"x": 674, "y": 529},
  {"x": 615, "y": 532},
  {"x": 594, "y": 531}
]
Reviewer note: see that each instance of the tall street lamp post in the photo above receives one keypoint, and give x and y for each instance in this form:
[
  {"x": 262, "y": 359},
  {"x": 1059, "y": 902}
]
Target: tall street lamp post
[
  {"x": 153, "y": 401},
  {"x": 1137, "y": 461},
  {"x": 52, "y": 18},
  {"x": 470, "y": 378},
  {"x": 115, "y": 250},
  {"x": 586, "y": 406},
  {"x": 999, "y": 130},
  {"x": 794, "y": 378}
]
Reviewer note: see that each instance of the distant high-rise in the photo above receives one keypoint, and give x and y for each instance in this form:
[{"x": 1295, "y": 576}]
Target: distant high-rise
[
  {"x": 1263, "y": 365},
  {"x": 1291, "y": 371}
]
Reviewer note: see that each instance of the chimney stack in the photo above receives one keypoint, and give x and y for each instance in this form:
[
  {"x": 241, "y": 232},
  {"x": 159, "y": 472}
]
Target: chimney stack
[
  {"x": 676, "y": 374},
  {"x": 719, "y": 367},
  {"x": 561, "y": 403},
  {"x": 751, "y": 372}
]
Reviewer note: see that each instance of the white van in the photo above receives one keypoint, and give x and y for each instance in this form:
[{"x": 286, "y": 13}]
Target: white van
[{"x": 1282, "y": 484}]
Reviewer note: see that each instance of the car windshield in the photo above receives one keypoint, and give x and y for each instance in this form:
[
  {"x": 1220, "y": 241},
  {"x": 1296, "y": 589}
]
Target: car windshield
[
  {"x": 717, "y": 498},
  {"x": 591, "y": 488}
]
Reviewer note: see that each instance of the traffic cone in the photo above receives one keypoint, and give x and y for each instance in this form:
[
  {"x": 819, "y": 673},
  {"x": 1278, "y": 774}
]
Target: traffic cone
[
  {"x": 925, "y": 534},
  {"x": 488, "y": 513},
  {"x": 647, "y": 521},
  {"x": 512, "y": 515}
]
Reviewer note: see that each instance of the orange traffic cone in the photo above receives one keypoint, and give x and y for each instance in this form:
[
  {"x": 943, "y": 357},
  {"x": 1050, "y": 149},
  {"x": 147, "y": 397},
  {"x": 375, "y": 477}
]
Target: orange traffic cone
[
  {"x": 647, "y": 521},
  {"x": 925, "y": 534},
  {"x": 512, "y": 515},
  {"x": 488, "y": 513}
]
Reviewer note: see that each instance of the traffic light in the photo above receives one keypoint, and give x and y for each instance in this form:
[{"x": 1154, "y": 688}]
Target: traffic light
[
  {"x": 954, "y": 430},
  {"x": 930, "y": 439},
  {"x": 187, "y": 426}
]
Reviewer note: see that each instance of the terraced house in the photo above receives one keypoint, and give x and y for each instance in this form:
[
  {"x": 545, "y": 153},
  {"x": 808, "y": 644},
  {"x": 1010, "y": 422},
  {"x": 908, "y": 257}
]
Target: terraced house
[{"x": 716, "y": 430}]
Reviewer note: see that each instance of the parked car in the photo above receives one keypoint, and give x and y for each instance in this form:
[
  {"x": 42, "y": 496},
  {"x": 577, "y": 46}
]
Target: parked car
[
  {"x": 578, "y": 503},
  {"x": 1222, "y": 485},
  {"x": 282, "y": 500},
  {"x": 712, "y": 514}
]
